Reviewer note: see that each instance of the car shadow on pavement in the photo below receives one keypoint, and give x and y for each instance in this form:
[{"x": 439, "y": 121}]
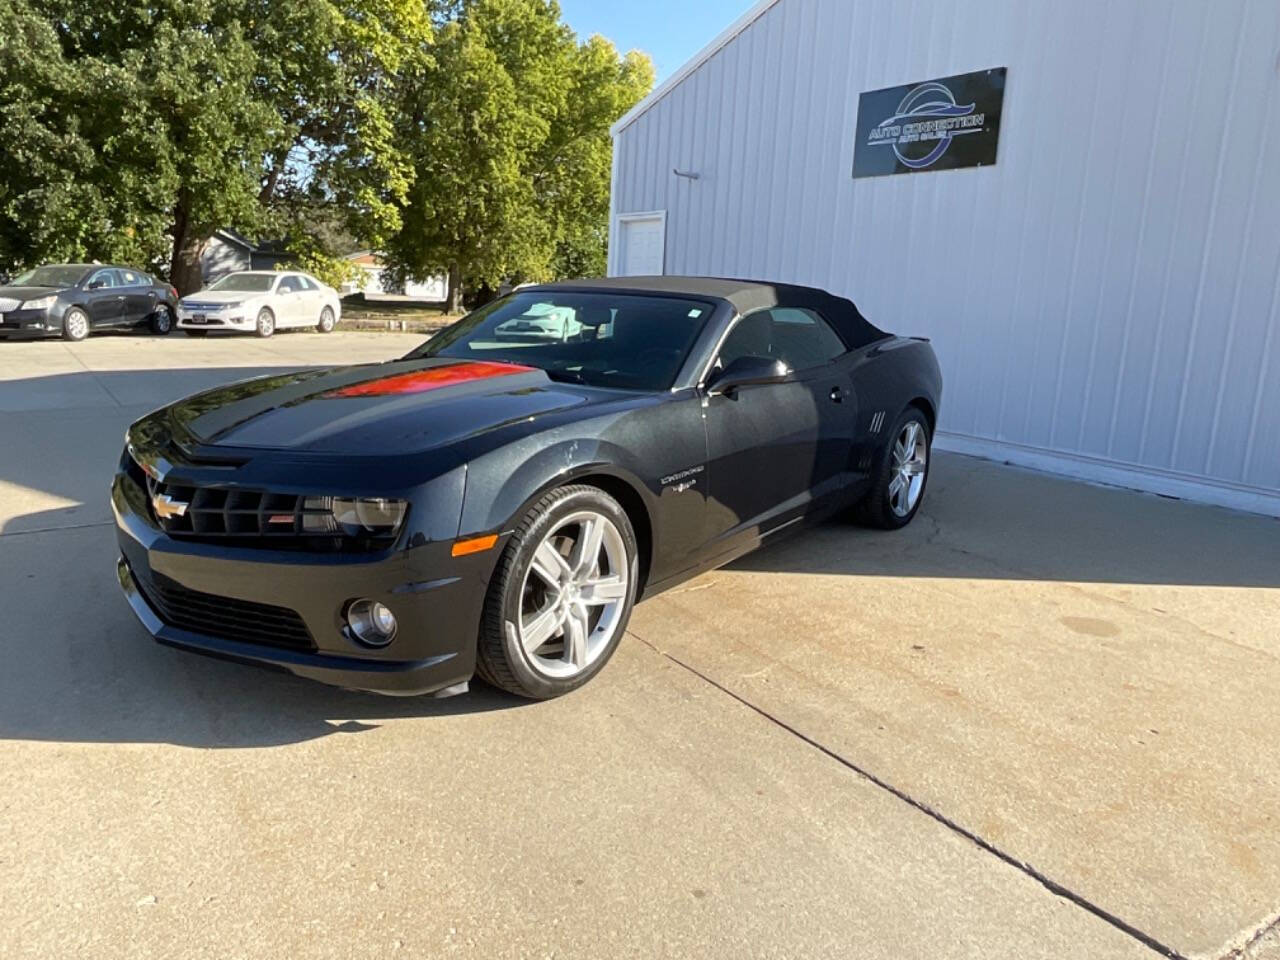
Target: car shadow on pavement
[
  {"x": 989, "y": 521},
  {"x": 84, "y": 671}
]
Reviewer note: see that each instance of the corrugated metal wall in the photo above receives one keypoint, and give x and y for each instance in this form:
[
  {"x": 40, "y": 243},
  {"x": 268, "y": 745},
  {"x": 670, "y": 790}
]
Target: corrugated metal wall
[{"x": 1108, "y": 293}]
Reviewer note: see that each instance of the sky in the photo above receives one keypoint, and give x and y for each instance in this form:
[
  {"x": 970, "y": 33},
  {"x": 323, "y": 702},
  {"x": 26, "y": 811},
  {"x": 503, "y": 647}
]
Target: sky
[{"x": 670, "y": 31}]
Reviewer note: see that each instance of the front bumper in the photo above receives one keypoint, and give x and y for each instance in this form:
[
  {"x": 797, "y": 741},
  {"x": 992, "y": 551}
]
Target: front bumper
[
  {"x": 214, "y": 320},
  {"x": 28, "y": 323},
  {"x": 437, "y": 600}
]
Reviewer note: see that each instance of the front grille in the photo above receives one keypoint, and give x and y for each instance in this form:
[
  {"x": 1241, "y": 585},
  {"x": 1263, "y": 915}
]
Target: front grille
[
  {"x": 203, "y": 307},
  {"x": 224, "y": 617},
  {"x": 243, "y": 517},
  {"x": 228, "y": 512}
]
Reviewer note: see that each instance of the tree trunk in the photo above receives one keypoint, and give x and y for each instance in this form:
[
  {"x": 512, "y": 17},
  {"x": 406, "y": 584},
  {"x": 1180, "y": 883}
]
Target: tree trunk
[
  {"x": 453, "y": 300},
  {"x": 268, "y": 191},
  {"x": 184, "y": 265},
  {"x": 184, "y": 269}
]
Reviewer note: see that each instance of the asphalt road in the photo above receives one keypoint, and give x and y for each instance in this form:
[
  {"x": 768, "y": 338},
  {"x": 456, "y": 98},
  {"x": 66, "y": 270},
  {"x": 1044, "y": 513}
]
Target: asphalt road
[{"x": 1039, "y": 723}]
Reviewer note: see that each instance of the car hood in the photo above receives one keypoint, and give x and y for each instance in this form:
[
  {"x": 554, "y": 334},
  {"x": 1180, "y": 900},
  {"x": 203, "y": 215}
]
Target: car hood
[
  {"x": 223, "y": 296},
  {"x": 403, "y": 406},
  {"x": 28, "y": 293}
]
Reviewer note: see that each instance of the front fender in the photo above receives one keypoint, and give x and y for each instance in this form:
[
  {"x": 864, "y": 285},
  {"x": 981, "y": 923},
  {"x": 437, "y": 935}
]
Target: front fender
[{"x": 503, "y": 485}]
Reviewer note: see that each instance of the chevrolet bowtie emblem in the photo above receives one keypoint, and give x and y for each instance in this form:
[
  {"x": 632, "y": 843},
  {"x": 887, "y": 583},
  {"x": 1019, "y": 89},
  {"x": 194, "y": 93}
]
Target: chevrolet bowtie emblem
[{"x": 166, "y": 507}]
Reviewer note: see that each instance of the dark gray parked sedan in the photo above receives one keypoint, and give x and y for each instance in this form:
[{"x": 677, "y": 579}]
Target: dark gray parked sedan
[{"x": 73, "y": 299}]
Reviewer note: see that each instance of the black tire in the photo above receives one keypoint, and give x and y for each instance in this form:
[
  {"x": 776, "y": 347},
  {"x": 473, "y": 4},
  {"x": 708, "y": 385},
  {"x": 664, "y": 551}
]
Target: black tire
[
  {"x": 876, "y": 508},
  {"x": 327, "y": 321},
  {"x": 502, "y": 660},
  {"x": 75, "y": 325},
  {"x": 162, "y": 321},
  {"x": 196, "y": 333},
  {"x": 266, "y": 324}
]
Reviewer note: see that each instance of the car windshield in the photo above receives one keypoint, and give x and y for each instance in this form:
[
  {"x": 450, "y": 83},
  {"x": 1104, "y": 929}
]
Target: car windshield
[
  {"x": 245, "y": 282},
  {"x": 603, "y": 339},
  {"x": 55, "y": 276}
]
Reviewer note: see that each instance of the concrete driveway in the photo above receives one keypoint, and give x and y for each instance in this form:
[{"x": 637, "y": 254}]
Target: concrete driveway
[{"x": 1042, "y": 722}]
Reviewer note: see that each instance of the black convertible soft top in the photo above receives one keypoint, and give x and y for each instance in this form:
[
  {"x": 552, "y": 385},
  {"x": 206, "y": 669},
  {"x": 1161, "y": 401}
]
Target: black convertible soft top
[{"x": 746, "y": 296}]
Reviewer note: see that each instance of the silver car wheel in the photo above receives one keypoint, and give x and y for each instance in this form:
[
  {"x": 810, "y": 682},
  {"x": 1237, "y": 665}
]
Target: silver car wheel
[
  {"x": 76, "y": 325},
  {"x": 910, "y": 465},
  {"x": 327, "y": 322},
  {"x": 574, "y": 595}
]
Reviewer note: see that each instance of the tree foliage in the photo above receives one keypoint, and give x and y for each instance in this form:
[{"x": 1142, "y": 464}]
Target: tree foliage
[
  {"x": 468, "y": 136},
  {"x": 507, "y": 128},
  {"x": 135, "y": 129}
]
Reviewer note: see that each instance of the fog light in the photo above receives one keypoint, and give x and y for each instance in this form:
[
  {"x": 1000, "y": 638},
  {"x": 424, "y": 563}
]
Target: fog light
[{"x": 372, "y": 623}]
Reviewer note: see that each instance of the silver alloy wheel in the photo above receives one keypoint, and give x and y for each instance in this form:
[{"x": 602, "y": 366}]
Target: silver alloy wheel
[
  {"x": 164, "y": 320},
  {"x": 910, "y": 464},
  {"x": 326, "y": 320},
  {"x": 76, "y": 324},
  {"x": 266, "y": 323},
  {"x": 574, "y": 595}
]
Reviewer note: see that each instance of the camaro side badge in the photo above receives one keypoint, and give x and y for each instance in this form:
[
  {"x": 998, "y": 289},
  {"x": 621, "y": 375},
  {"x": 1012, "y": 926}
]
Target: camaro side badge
[
  {"x": 167, "y": 508},
  {"x": 684, "y": 475}
]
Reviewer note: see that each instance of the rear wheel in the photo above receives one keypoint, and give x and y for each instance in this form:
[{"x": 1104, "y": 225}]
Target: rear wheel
[
  {"x": 162, "y": 321},
  {"x": 75, "y": 325},
  {"x": 900, "y": 475},
  {"x": 327, "y": 321},
  {"x": 561, "y": 597},
  {"x": 266, "y": 324}
]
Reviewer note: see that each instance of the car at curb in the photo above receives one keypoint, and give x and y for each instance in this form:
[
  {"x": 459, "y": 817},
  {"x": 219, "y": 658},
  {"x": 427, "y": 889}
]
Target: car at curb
[
  {"x": 493, "y": 506},
  {"x": 260, "y": 302},
  {"x": 73, "y": 300}
]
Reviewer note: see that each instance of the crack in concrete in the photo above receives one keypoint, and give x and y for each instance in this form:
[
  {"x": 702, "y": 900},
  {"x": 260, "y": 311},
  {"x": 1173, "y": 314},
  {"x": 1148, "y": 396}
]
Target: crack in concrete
[
  {"x": 1265, "y": 936},
  {"x": 982, "y": 843},
  {"x": 70, "y": 526},
  {"x": 94, "y": 374}
]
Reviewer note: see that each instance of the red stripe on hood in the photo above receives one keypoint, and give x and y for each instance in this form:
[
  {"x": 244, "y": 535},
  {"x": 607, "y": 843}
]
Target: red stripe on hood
[{"x": 420, "y": 381}]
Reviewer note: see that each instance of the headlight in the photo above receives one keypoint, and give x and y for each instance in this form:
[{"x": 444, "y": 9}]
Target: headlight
[
  {"x": 43, "y": 303},
  {"x": 374, "y": 516}
]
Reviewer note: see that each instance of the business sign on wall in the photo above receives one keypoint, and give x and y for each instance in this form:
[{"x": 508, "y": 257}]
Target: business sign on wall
[{"x": 935, "y": 125}]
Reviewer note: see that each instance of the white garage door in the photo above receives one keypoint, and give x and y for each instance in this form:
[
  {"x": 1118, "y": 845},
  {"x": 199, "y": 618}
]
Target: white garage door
[{"x": 642, "y": 241}]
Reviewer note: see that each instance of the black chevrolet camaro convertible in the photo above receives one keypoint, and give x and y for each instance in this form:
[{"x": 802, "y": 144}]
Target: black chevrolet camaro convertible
[{"x": 497, "y": 500}]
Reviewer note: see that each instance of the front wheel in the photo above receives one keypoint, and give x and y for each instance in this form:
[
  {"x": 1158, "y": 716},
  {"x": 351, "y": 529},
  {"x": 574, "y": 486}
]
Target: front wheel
[
  {"x": 266, "y": 325},
  {"x": 900, "y": 475},
  {"x": 75, "y": 325},
  {"x": 561, "y": 597}
]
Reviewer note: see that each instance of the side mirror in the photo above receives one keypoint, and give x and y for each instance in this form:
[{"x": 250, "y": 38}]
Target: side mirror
[
  {"x": 746, "y": 372},
  {"x": 97, "y": 284}
]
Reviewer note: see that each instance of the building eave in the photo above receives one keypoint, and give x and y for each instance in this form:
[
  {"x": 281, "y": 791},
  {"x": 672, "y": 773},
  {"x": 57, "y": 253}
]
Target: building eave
[{"x": 707, "y": 52}]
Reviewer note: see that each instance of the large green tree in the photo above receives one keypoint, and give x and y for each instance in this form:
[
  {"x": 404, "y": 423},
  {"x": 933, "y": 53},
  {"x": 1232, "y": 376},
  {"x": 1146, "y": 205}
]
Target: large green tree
[
  {"x": 507, "y": 126},
  {"x": 134, "y": 129}
]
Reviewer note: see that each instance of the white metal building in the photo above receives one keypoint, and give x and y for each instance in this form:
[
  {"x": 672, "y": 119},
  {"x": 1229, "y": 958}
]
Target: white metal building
[{"x": 1105, "y": 299}]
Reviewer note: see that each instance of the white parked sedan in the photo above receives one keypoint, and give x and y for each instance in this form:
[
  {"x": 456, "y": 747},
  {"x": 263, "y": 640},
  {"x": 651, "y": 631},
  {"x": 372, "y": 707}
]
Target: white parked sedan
[{"x": 262, "y": 302}]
